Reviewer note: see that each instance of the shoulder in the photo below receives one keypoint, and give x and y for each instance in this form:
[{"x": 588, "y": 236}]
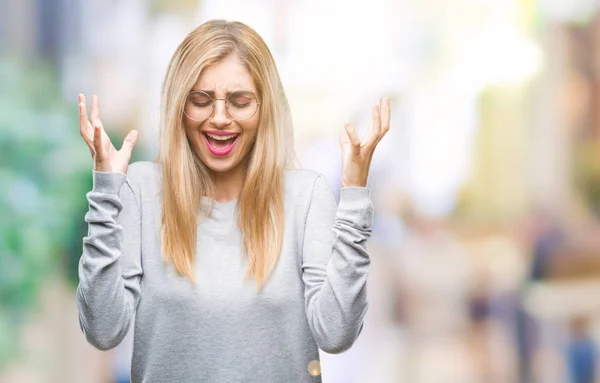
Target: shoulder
[
  {"x": 301, "y": 179},
  {"x": 141, "y": 171},
  {"x": 305, "y": 184},
  {"x": 145, "y": 175},
  {"x": 300, "y": 176}
]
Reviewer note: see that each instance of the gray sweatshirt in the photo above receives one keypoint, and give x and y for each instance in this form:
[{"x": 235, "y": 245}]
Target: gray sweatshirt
[{"x": 223, "y": 329}]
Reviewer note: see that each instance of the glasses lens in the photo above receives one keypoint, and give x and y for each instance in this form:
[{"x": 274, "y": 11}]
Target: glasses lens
[
  {"x": 199, "y": 106},
  {"x": 241, "y": 105}
]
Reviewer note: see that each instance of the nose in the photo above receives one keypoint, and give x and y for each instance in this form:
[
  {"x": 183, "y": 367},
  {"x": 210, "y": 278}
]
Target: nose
[{"x": 219, "y": 117}]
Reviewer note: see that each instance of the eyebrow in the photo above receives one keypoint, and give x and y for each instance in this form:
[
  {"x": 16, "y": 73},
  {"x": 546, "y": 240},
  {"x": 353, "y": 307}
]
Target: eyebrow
[{"x": 211, "y": 93}]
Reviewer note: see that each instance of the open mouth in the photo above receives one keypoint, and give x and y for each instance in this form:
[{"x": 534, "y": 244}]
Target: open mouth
[{"x": 220, "y": 145}]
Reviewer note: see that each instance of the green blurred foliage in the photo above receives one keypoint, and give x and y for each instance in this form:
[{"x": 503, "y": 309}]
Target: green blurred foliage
[
  {"x": 586, "y": 173},
  {"x": 45, "y": 172}
]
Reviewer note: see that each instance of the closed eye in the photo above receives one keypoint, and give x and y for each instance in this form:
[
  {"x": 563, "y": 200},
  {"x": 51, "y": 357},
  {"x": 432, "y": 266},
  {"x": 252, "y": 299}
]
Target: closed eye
[{"x": 202, "y": 104}]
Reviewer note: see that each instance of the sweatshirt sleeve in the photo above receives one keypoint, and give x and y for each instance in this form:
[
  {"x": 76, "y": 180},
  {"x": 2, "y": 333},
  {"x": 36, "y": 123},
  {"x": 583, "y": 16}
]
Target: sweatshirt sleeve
[
  {"x": 110, "y": 268},
  {"x": 335, "y": 264}
]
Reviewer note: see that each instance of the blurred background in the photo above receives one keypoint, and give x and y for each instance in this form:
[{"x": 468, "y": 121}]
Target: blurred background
[{"x": 486, "y": 246}]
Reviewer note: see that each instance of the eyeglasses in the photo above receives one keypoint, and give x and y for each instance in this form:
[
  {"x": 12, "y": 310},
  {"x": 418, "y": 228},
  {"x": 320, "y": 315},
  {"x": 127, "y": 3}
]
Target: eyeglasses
[{"x": 240, "y": 105}]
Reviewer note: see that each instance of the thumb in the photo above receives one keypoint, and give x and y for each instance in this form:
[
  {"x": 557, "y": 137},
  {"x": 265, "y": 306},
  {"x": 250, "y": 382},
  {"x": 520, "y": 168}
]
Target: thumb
[
  {"x": 352, "y": 137},
  {"x": 344, "y": 139},
  {"x": 129, "y": 142}
]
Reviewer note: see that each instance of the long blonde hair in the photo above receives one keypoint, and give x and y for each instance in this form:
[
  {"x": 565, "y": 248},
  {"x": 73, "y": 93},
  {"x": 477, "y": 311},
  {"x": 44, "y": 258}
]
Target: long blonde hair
[{"x": 185, "y": 179}]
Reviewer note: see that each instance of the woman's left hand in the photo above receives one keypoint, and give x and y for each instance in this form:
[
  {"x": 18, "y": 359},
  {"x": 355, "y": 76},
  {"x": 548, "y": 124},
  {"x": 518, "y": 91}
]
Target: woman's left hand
[{"x": 357, "y": 155}]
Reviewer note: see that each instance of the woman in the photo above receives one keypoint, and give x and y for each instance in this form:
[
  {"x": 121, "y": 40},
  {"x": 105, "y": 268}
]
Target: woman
[{"x": 232, "y": 266}]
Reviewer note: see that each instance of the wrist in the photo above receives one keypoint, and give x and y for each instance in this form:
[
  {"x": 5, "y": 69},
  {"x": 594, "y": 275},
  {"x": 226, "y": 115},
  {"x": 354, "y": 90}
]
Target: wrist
[{"x": 354, "y": 184}]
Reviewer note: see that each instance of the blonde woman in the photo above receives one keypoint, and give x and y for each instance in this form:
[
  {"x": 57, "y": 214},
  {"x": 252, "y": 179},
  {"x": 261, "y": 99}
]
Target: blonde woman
[{"x": 231, "y": 265}]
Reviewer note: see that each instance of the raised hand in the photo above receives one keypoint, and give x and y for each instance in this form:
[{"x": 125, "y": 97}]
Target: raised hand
[
  {"x": 106, "y": 157},
  {"x": 357, "y": 155}
]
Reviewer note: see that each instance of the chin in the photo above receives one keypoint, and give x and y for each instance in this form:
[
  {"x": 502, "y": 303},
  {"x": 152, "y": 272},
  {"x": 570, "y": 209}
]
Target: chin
[{"x": 220, "y": 165}]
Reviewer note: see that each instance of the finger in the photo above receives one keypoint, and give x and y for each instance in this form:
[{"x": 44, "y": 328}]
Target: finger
[
  {"x": 129, "y": 142},
  {"x": 385, "y": 116},
  {"x": 84, "y": 123},
  {"x": 95, "y": 115},
  {"x": 376, "y": 119},
  {"x": 98, "y": 144},
  {"x": 83, "y": 129},
  {"x": 96, "y": 123},
  {"x": 352, "y": 136},
  {"x": 374, "y": 127},
  {"x": 345, "y": 135},
  {"x": 344, "y": 139}
]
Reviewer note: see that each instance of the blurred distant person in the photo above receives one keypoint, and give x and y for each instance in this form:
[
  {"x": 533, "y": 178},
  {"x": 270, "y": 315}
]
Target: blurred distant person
[
  {"x": 562, "y": 255},
  {"x": 232, "y": 265},
  {"x": 581, "y": 352}
]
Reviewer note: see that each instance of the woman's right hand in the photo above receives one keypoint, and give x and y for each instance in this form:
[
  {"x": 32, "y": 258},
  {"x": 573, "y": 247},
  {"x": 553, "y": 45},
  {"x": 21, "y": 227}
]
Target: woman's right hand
[{"x": 106, "y": 157}]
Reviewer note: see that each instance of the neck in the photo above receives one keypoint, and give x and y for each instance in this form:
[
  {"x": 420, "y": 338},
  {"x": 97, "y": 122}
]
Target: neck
[{"x": 228, "y": 184}]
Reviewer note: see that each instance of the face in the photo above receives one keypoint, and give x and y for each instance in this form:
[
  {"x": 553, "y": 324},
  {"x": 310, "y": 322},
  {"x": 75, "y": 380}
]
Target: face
[{"x": 219, "y": 139}]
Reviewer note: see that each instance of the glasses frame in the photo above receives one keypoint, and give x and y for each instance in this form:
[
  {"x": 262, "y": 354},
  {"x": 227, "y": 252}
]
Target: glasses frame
[{"x": 226, "y": 106}]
